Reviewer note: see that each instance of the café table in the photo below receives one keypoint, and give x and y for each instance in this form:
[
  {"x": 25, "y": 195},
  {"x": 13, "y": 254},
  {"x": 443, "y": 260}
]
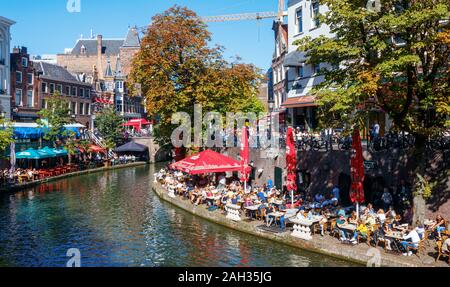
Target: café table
[
  {"x": 251, "y": 210},
  {"x": 396, "y": 237},
  {"x": 277, "y": 215}
]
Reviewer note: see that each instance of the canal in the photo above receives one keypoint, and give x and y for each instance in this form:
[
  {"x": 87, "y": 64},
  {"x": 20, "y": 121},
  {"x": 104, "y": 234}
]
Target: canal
[{"x": 114, "y": 219}]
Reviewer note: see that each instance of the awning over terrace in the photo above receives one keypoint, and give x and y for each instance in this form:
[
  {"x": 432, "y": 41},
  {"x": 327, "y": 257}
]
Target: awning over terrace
[{"x": 207, "y": 161}]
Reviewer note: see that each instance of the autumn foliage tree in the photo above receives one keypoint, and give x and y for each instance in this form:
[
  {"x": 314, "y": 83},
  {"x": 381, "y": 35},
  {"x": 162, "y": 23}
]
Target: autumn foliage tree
[
  {"x": 176, "y": 69},
  {"x": 394, "y": 57}
]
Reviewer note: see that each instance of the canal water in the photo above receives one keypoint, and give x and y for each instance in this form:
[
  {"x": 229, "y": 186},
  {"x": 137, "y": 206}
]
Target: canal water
[{"x": 114, "y": 219}]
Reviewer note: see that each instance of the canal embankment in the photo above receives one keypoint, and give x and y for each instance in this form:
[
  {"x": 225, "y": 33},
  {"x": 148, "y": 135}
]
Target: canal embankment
[
  {"x": 361, "y": 253},
  {"x": 21, "y": 186}
]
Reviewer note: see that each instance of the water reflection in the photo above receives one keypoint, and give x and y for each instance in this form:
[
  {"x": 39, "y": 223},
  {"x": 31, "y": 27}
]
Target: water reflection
[{"x": 116, "y": 220}]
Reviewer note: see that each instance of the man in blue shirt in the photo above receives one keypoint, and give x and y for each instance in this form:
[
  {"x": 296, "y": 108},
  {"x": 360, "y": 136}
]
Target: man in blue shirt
[{"x": 270, "y": 183}]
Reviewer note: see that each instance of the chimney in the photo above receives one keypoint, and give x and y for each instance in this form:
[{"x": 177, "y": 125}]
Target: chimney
[
  {"x": 16, "y": 50},
  {"x": 99, "y": 55}
]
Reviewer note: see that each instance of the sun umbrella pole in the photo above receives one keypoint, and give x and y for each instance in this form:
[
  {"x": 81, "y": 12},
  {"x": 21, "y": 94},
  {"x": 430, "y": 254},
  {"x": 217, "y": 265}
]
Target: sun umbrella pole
[{"x": 292, "y": 198}]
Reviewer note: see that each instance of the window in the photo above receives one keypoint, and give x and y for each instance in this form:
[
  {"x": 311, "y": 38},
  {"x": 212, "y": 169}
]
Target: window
[
  {"x": 59, "y": 88},
  {"x": 67, "y": 90},
  {"x": 74, "y": 91},
  {"x": 88, "y": 110},
  {"x": 30, "y": 98},
  {"x": 316, "y": 69},
  {"x": 30, "y": 78},
  {"x": 24, "y": 62},
  {"x": 52, "y": 88},
  {"x": 119, "y": 85},
  {"x": 43, "y": 104},
  {"x": 315, "y": 13},
  {"x": 19, "y": 77},
  {"x": 73, "y": 108},
  {"x": 44, "y": 87},
  {"x": 300, "y": 73},
  {"x": 81, "y": 108},
  {"x": 82, "y": 92},
  {"x": 88, "y": 93},
  {"x": 19, "y": 97},
  {"x": 299, "y": 20}
]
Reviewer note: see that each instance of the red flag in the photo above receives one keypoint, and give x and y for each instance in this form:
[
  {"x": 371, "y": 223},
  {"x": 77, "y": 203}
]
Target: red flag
[
  {"x": 357, "y": 169},
  {"x": 291, "y": 160},
  {"x": 245, "y": 156}
]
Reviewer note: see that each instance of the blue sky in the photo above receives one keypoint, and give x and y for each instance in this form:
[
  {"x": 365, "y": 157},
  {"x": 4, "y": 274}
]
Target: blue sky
[{"x": 46, "y": 27}]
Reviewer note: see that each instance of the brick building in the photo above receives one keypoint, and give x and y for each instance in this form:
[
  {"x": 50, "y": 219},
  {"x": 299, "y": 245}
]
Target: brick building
[
  {"x": 24, "y": 87},
  {"x": 92, "y": 61},
  {"x": 53, "y": 78}
]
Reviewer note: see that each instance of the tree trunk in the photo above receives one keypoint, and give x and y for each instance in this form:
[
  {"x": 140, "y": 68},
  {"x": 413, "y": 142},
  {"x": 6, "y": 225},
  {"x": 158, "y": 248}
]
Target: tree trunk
[{"x": 419, "y": 159}]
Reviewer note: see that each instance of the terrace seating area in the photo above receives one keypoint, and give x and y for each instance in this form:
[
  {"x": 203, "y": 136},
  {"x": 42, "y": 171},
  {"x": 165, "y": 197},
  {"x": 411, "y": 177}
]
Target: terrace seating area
[{"x": 308, "y": 218}]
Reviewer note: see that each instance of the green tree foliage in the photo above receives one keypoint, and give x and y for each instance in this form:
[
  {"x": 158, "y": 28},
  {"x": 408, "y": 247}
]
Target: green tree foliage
[
  {"x": 54, "y": 118},
  {"x": 394, "y": 58},
  {"x": 109, "y": 124},
  {"x": 6, "y": 135},
  {"x": 176, "y": 69}
]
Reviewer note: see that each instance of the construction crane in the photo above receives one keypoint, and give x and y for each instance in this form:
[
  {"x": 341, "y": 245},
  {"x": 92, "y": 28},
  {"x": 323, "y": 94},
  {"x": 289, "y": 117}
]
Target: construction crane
[
  {"x": 244, "y": 16},
  {"x": 248, "y": 16}
]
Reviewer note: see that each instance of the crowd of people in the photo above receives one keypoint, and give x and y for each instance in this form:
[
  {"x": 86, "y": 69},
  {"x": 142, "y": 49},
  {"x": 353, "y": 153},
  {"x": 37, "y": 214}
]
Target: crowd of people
[{"x": 380, "y": 227}]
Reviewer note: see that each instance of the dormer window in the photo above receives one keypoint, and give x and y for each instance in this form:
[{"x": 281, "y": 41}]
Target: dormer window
[{"x": 83, "y": 50}]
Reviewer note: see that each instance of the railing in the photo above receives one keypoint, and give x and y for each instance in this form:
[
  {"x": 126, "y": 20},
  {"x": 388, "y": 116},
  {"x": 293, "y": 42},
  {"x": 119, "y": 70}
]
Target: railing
[{"x": 100, "y": 143}]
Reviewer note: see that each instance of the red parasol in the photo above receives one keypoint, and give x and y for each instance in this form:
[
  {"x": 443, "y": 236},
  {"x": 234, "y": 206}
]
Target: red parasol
[
  {"x": 207, "y": 161},
  {"x": 291, "y": 160},
  {"x": 245, "y": 156},
  {"x": 357, "y": 169}
]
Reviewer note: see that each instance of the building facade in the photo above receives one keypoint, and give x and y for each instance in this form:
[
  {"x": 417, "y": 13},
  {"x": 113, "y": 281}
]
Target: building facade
[
  {"x": 5, "y": 91},
  {"x": 52, "y": 79},
  {"x": 302, "y": 77},
  {"x": 24, "y": 87},
  {"x": 278, "y": 69},
  {"x": 106, "y": 64}
]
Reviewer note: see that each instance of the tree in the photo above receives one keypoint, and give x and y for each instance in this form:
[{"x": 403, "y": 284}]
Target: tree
[
  {"x": 54, "y": 118},
  {"x": 109, "y": 124},
  {"x": 6, "y": 135},
  {"x": 176, "y": 69},
  {"x": 394, "y": 58}
]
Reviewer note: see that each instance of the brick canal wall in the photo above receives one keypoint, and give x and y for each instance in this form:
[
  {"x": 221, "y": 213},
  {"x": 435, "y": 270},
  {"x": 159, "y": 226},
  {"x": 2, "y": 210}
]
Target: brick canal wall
[
  {"x": 361, "y": 253},
  {"x": 326, "y": 169}
]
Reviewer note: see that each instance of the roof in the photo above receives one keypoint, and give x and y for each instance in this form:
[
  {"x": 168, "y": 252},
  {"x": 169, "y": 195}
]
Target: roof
[
  {"x": 132, "y": 38},
  {"x": 110, "y": 47},
  {"x": 294, "y": 59},
  {"x": 131, "y": 147},
  {"x": 56, "y": 73},
  {"x": 6, "y": 21},
  {"x": 300, "y": 102}
]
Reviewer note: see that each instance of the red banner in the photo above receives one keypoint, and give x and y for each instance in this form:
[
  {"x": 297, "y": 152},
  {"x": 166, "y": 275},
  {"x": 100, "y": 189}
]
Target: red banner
[{"x": 357, "y": 169}]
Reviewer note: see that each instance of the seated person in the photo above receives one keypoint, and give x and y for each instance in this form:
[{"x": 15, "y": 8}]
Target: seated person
[
  {"x": 262, "y": 196},
  {"x": 446, "y": 247},
  {"x": 381, "y": 216},
  {"x": 438, "y": 226},
  {"x": 396, "y": 224},
  {"x": 271, "y": 219},
  {"x": 411, "y": 240},
  {"x": 361, "y": 230},
  {"x": 339, "y": 222}
]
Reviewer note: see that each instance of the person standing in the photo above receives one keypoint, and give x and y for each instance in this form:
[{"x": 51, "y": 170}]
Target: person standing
[{"x": 386, "y": 198}]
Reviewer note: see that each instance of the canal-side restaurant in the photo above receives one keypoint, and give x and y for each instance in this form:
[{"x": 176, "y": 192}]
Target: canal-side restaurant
[
  {"x": 218, "y": 184},
  {"x": 32, "y": 159}
]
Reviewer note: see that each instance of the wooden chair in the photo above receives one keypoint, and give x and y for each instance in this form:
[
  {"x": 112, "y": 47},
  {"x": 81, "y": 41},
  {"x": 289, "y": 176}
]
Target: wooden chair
[
  {"x": 334, "y": 230},
  {"x": 441, "y": 252}
]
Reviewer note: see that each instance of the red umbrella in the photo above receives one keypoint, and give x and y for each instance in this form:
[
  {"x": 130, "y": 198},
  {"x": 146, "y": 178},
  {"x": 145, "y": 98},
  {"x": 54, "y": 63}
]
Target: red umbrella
[
  {"x": 291, "y": 162},
  {"x": 245, "y": 157},
  {"x": 357, "y": 170},
  {"x": 95, "y": 148},
  {"x": 207, "y": 161}
]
